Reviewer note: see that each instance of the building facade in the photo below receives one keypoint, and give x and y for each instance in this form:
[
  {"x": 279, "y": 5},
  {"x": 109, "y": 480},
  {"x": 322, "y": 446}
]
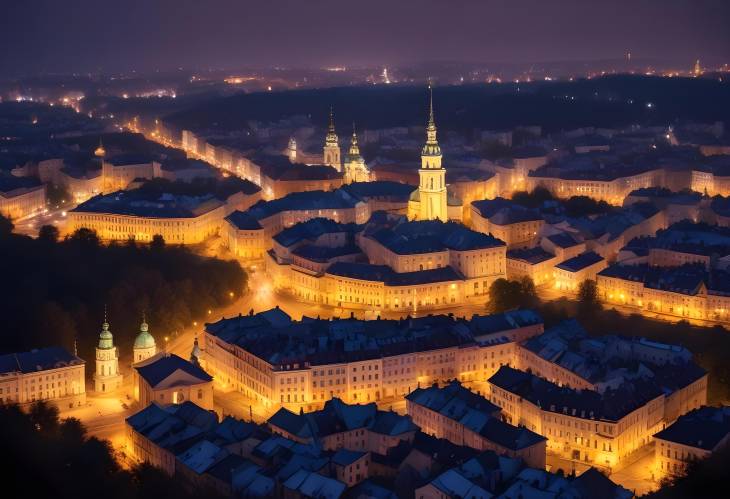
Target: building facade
[
  {"x": 51, "y": 374},
  {"x": 234, "y": 354}
]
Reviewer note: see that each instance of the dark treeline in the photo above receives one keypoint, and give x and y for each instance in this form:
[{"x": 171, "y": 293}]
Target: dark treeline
[
  {"x": 610, "y": 101},
  {"x": 575, "y": 206},
  {"x": 45, "y": 456},
  {"x": 55, "y": 290}
]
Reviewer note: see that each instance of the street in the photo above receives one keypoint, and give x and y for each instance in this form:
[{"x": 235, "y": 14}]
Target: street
[
  {"x": 636, "y": 474},
  {"x": 31, "y": 225}
]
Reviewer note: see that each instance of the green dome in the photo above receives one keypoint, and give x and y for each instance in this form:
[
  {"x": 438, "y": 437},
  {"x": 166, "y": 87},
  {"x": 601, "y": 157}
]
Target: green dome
[
  {"x": 144, "y": 339},
  {"x": 106, "y": 340}
]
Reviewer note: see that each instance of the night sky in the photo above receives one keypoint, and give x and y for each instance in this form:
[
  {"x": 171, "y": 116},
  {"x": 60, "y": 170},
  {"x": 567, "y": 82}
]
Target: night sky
[{"x": 118, "y": 35}]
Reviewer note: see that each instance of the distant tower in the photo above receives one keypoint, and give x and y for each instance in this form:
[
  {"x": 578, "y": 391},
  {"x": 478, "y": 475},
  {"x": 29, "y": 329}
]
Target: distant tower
[
  {"x": 106, "y": 377},
  {"x": 100, "y": 152},
  {"x": 355, "y": 168},
  {"x": 292, "y": 150},
  {"x": 697, "y": 69},
  {"x": 332, "y": 146},
  {"x": 195, "y": 353},
  {"x": 144, "y": 344},
  {"x": 432, "y": 193}
]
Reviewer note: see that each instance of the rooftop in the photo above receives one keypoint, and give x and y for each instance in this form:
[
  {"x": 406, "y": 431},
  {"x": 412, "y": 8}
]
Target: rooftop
[
  {"x": 38, "y": 360},
  {"x": 703, "y": 428},
  {"x": 337, "y": 417},
  {"x": 611, "y": 405},
  {"x": 301, "y": 201},
  {"x": 284, "y": 344},
  {"x": 474, "y": 412},
  {"x": 580, "y": 262},
  {"x": 427, "y": 236},
  {"x": 138, "y": 204},
  {"x": 163, "y": 365},
  {"x": 533, "y": 256},
  {"x": 502, "y": 211}
]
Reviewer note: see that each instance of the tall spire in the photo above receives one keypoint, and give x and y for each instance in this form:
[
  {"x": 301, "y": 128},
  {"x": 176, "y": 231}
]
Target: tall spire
[
  {"x": 432, "y": 147},
  {"x": 431, "y": 122},
  {"x": 331, "y": 138},
  {"x": 354, "y": 148}
]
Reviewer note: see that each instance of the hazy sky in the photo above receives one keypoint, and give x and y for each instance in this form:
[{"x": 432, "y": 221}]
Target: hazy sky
[{"x": 111, "y": 35}]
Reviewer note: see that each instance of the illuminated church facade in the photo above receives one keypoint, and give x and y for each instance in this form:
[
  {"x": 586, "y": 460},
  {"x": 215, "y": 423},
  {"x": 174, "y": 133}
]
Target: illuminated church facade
[{"x": 432, "y": 201}]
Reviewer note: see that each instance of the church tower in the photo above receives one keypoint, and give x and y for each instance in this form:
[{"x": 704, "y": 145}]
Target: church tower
[
  {"x": 292, "y": 150},
  {"x": 100, "y": 152},
  {"x": 432, "y": 177},
  {"x": 195, "y": 353},
  {"x": 106, "y": 376},
  {"x": 332, "y": 146},
  {"x": 144, "y": 344},
  {"x": 355, "y": 168}
]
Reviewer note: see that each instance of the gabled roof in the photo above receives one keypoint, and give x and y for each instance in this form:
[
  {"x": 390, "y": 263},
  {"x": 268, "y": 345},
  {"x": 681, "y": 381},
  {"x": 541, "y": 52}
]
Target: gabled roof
[
  {"x": 314, "y": 485},
  {"x": 336, "y": 416},
  {"x": 580, "y": 262},
  {"x": 166, "y": 364},
  {"x": 344, "y": 457},
  {"x": 703, "y": 428}
]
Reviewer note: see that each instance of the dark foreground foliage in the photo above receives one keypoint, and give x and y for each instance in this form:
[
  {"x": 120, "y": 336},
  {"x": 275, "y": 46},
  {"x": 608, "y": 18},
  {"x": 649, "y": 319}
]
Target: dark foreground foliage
[
  {"x": 55, "y": 290},
  {"x": 45, "y": 456}
]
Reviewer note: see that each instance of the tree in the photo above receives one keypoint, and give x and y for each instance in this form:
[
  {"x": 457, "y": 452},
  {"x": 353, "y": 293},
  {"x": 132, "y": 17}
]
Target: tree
[
  {"x": 45, "y": 456},
  {"x": 509, "y": 295},
  {"x": 534, "y": 199},
  {"x": 588, "y": 301},
  {"x": 61, "y": 289},
  {"x": 44, "y": 417},
  {"x": 158, "y": 242},
  {"x": 85, "y": 238},
  {"x": 57, "y": 195},
  {"x": 6, "y": 226},
  {"x": 581, "y": 206},
  {"x": 48, "y": 234}
]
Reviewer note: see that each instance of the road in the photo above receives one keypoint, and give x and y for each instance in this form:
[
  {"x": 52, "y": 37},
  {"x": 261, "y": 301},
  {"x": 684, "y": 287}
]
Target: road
[
  {"x": 635, "y": 474},
  {"x": 31, "y": 225}
]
